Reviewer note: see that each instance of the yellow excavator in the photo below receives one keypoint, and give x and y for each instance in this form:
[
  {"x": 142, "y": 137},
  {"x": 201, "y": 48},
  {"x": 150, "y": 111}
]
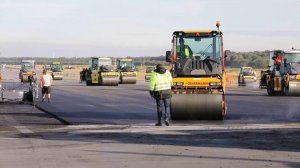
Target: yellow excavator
[
  {"x": 198, "y": 70},
  {"x": 283, "y": 75},
  {"x": 127, "y": 71},
  {"x": 27, "y": 71},
  {"x": 101, "y": 72}
]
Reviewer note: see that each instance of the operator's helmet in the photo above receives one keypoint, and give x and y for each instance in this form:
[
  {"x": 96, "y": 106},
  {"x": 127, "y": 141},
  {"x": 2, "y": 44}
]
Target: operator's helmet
[{"x": 181, "y": 40}]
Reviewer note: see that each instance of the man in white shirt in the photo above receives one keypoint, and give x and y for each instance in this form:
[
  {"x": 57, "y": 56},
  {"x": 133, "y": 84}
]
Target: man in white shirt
[{"x": 46, "y": 82}]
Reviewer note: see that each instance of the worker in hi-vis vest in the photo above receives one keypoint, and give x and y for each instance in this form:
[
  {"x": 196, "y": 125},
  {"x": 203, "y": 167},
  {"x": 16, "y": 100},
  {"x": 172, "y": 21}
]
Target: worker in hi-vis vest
[{"x": 160, "y": 90}]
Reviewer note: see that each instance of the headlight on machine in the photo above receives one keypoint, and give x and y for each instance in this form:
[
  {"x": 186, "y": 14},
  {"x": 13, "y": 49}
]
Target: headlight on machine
[
  {"x": 215, "y": 84},
  {"x": 177, "y": 83}
]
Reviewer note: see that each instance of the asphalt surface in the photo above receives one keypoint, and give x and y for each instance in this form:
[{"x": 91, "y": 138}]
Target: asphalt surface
[
  {"x": 113, "y": 127},
  {"x": 131, "y": 104}
]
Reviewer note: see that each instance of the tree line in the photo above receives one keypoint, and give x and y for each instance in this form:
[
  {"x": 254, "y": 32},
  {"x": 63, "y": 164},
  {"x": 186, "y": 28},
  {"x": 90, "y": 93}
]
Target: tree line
[{"x": 256, "y": 59}]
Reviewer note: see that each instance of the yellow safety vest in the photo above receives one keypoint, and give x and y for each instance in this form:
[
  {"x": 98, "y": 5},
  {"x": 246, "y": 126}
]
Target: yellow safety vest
[
  {"x": 186, "y": 51},
  {"x": 160, "y": 81}
]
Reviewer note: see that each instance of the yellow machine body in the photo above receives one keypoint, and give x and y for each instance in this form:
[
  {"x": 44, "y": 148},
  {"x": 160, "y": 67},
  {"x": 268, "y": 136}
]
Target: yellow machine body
[
  {"x": 282, "y": 78},
  {"x": 198, "y": 84},
  {"x": 27, "y": 70},
  {"x": 102, "y": 72},
  {"x": 57, "y": 70},
  {"x": 128, "y": 73}
]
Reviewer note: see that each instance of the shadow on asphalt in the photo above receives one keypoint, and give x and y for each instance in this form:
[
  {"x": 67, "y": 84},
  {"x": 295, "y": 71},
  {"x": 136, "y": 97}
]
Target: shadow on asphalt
[
  {"x": 283, "y": 162},
  {"x": 287, "y": 139}
]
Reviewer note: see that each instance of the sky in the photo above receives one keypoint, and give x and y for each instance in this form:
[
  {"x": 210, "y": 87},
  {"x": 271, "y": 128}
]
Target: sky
[{"x": 84, "y": 28}]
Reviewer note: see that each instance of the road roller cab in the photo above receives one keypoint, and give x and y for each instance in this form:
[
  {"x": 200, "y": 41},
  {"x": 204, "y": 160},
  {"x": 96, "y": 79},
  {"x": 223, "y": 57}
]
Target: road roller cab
[
  {"x": 101, "y": 72},
  {"x": 127, "y": 71},
  {"x": 247, "y": 75},
  {"x": 198, "y": 72},
  {"x": 283, "y": 76},
  {"x": 27, "y": 71},
  {"x": 57, "y": 70}
]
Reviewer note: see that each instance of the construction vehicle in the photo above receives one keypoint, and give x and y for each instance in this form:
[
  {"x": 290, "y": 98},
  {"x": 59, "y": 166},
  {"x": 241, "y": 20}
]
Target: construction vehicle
[
  {"x": 48, "y": 69},
  {"x": 247, "y": 75},
  {"x": 1, "y": 72},
  {"x": 56, "y": 71},
  {"x": 27, "y": 71},
  {"x": 149, "y": 69},
  {"x": 11, "y": 91},
  {"x": 283, "y": 75},
  {"x": 127, "y": 71},
  {"x": 101, "y": 72},
  {"x": 198, "y": 70}
]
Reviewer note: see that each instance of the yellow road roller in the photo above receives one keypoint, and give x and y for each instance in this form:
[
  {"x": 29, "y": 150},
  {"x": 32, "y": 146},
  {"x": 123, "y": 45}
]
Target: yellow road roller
[
  {"x": 148, "y": 71},
  {"x": 247, "y": 75},
  {"x": 101, "y": 72},
  {"x": 57, "y": 70},
  {"x": 27, "y": 71},
  {"x": 283, "y": 75},
  {"x": 198, "y": 70},
  {"x": 127, "y": 71}
]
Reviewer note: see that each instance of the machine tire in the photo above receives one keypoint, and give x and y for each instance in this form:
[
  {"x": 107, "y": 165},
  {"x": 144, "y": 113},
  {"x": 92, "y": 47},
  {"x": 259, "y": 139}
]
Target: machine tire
[
  {"x": 285, "y": 90},
  {"x": 270, "y": 91},
  {"x": 88, "y": 83}
]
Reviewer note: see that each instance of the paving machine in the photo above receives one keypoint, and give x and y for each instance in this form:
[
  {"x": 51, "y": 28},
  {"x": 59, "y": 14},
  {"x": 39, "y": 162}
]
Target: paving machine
[
  {"x": 127, "y": 71},
  {"x": 101, "y": 72},
  {"x": 27, "y": 71},
  {"x": 283, "y": 75},
  {"x": 149, "y": 69},
  {"x": 57, "y": 70},
  {"x": 247, "y": 75},
  {"x": 198, "y": 70}
]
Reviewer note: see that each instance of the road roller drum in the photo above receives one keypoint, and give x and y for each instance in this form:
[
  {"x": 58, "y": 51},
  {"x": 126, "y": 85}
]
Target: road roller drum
[
  {"x": 128, "y": 80},
  {"x": 294, "y": 89},
  {"x": 110, "y": 81},
  {"x": 196, "y": 106}
]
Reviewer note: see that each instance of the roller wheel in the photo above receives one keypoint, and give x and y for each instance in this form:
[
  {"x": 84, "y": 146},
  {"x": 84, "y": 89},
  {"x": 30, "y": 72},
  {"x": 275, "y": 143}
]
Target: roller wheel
[
  {"x": 270, "y": 91},
  {"x": 197, "y": 107},
  {"x": 294, "y": 89},
  {"x": 285, "y": 90},
  {"x": 88, "y": 83}
]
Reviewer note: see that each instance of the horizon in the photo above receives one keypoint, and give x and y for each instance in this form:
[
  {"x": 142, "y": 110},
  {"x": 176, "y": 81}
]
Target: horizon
[{"x": 68, "y": 28}]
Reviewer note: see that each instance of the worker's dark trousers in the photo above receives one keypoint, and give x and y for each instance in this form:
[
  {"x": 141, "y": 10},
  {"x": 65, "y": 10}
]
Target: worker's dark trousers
[{"x": 163, "y": 114}]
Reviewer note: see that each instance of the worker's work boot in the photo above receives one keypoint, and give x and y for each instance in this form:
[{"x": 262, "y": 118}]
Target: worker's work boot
[{"x": 158, "y": 124}]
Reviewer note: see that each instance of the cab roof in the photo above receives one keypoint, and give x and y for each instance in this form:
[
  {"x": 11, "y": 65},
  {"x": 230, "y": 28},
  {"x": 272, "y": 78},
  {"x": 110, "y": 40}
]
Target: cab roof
[{"x": 196, "y": 32}]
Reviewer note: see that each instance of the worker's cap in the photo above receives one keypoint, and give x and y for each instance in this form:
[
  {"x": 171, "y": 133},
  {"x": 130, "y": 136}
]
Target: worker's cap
[{"x": 159, "y": 66}]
